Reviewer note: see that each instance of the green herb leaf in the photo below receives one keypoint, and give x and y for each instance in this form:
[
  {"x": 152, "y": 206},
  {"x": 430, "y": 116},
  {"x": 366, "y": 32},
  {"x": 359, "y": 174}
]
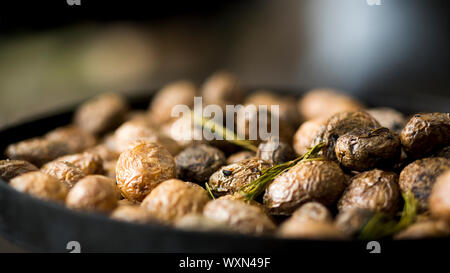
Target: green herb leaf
[{"x": 208, "y": 189}]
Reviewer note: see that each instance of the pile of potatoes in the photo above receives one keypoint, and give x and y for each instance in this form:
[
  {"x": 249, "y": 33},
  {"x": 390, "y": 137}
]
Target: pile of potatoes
[{"x": 132, "y": 165}]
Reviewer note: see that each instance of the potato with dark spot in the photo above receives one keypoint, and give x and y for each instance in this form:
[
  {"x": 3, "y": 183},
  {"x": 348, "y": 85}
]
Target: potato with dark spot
[
  {"x": 231, "y": 178},
  {"x": 340, "y": 124},
  {"x": 198, "y": 162},
  {"x": 365, "y": 149},
  {"x": 375, "y": 190},
  {"x": 222, "y": 89},
  {"x": 275, "y": 151},
  {"x": 37, "y": 151},
  {"x": 423, "y": 230},
  {"x": 312, "y": 211},
  {"x": 353, "y": 220},
  {"x": 132, "y": 214},
  {"x": 440, "y": 197},
  {"x": 40, "y": 185},
  {"x": 316, "y": 230},
  {"x": 239, "y": 156},
  {"x": 101, "y": 114},
  {"x": 77, "y": 139},
  {"x": 12, "y": 168},
  {"x": 425, "y": 133},
  {"x": 240, "y": 216},
  {"x": 94, "y": 193},
  {"x": 318, "y": 180},
  {"x": 419, "y": 178},
  {"x": 88, "y": 162},
  {"x": 173, "y": 199},
  {"x": 141, "y": 168},
  {"x": 65, "y": 171},
  {"x": 389, "y": 118},
  {"x": 306, "y": 134}
]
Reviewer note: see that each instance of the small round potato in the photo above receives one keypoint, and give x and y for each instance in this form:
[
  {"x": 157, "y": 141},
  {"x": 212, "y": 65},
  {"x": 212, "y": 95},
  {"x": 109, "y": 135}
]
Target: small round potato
[
  {"x": 183, "y": 131},
  {"x": 141, "y": 168},
  {"x": 231, "y": 178},
  {"x": 93, "y": 193},
  {"x": 426, "y": 132},
  {"x": 89, "y": 163},
  {"x": 65, "y": 171},
  {"x": 316, "y": 230},
  {"x": 365, "y": 149},
  {"x": 318, "y": 180},
  {"x": 199, "y": 222},
  {"x": 351, "y": 221},
  {"x": 221, "y": 89},
  {"x": 306, "y": 134},
  {"x": 101, "y": 114},
  {"x": 312, "y": 211},
  {"x": 40, "y": 185},
  {"x": 173, "y": 199},
  {"x": 239, "y": 156},
  {"x": 389, "y": 118},
  {"x": 275, "y": 151},
  {"x": 77, "y": 139},
  {"x": 419, "y": 178},
  {"x": 423, "y": 230},
  {"x": 133, "y": 214},
  {"x": 12, "y": 168},
  {"x": 440, "y": 197},
  {"x": 375, "y": 190},
  {"x": 239, "y": 215}
]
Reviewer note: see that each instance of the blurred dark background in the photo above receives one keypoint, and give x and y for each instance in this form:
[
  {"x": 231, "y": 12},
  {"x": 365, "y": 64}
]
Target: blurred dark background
[{"x": 53, "y": 54}]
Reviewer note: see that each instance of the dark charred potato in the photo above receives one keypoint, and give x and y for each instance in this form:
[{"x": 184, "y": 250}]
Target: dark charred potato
[
  {"x": 173, "y": 199},
  {"x": 306, "y": 134},
  {"x": 365, "y": 149},
  {"x": 37, "y": 151},
  {"x": 12, "y": 168},
  {"x": 440, "y": 197},
  {"x": 239, "y": 156},
  {"x": 40, "y": 185},
  {"x": 351, "y": 221},
  {"x": 319, "y": 180},
  {"x": 141, "y": 168},
  {"x": 77, "y": 139},
  {"x": 420, "y": 176},
  {"x": 93, "y": 193},
  {"x": 66, "y": 172},
  {"x": 101, "y": 114},
  {"x": 389, "y": 118},
  {"x": 375, "y": 190},
  {"x": 177, "y": 93},
  {"x": 221, "y": 88},
  {"x": 231, "y": 178},
  {"x": 198, "y": 162},
  {"x": 239, "y": 216},
  {"x": 424, "y": 229},
  {"x": 133, "y": 214},
  {"x": 340, "y": 124},
  {"x": 312, "y": 211},
  {"x": 326, "y": 102},
  {"x": 89, "y": 163},
  {"x": 426, "y": 132},
  {"x": 444, "y": 152},
  {"x": 316, "y": 230},
  {"x": 275, "y": 151}
]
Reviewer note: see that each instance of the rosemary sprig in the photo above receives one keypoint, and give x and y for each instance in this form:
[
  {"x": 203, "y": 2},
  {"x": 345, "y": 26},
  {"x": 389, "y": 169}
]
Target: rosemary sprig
[
  {"x": 214, "y": 127},
  {"x": 208, "y": 189},
  {"x": 252, "y": 190},
  {"x": 380, "y": 226}
]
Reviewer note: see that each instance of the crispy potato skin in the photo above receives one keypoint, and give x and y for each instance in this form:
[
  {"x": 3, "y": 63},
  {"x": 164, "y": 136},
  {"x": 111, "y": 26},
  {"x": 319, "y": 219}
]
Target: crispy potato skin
[
  {"x": 141, "y": 168},
  {"x": 340, "y": 124},
  {"x": 77, "y": 139},
  {"x": 275, "y": 152},
  {"x": 240, "y": 216},
  {"x": 40, "y": 185},
  {"x": 375, "y": 190},
  {"x": 320, "y": 181},
  {"x": 12, "y": 168},
  {"x": 93, "y": 193},
  {"x": 173, "y": 199},
  {"x": 365, "y": 149},
  {"x": 306, "y": 134},
  {"x": 425, "y": 132},
  {"x": 89, "y": 163},
  {"x": 197, "y": 163},
  {"x": 65, "y": 171},
  {"x": 231, "y": 178},
  {"x": 440, "y": 197},
  {"x": 420, "y": 176}
]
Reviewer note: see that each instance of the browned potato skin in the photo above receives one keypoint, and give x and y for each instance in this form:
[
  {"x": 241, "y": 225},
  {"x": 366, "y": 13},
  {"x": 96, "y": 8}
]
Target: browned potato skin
[
  {"x": 389, "y": 118},
  {"x": 239, "y": 156},
  {"x": 93, "y": 193},
  {"x": 221, "y": 88},
  {"x": 425, "y": 132},
  {"x": 37, "y": 151},
  {"x": 375, "y": 190},
  {"x": 306, "y": 134},
  {"x": 77, "y": 139},
  {"x": 317, "y": 230},
  {"x": 420, "y": 176},
  {"x": 440, "y": 197},
  {"x": 141, "y": 168},
  {"x": 88, "y": 162},
  {"x": 101, "y": 114},
  {"x": 325, "y": 102},
  {"x": 340, "y": 124},
  {"x": 180, "y": 92},
  {"x": 312, "y": 211},
  {"x": 424, "y": 229},
  {"x": 351, "y": 221},
  {"x": 319, "y": 180},
  {"x": 173, "y": 199},
  {"x": 65, "y": 171},
  {"x": 275, "y": 152},
  {"x": 365, "y": 149},
  {"x": 12, "y": 168},
  {"x": 231, "y": 178},
  {"x": 240, "y": 216},
  {"x": 40, "y": 185},
  {"x": 132, "y": 214}
]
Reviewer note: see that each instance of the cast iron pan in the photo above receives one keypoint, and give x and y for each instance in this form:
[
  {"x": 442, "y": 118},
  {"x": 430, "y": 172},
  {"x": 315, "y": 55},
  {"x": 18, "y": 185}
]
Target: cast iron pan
[{"x": 42, "y": 226}]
